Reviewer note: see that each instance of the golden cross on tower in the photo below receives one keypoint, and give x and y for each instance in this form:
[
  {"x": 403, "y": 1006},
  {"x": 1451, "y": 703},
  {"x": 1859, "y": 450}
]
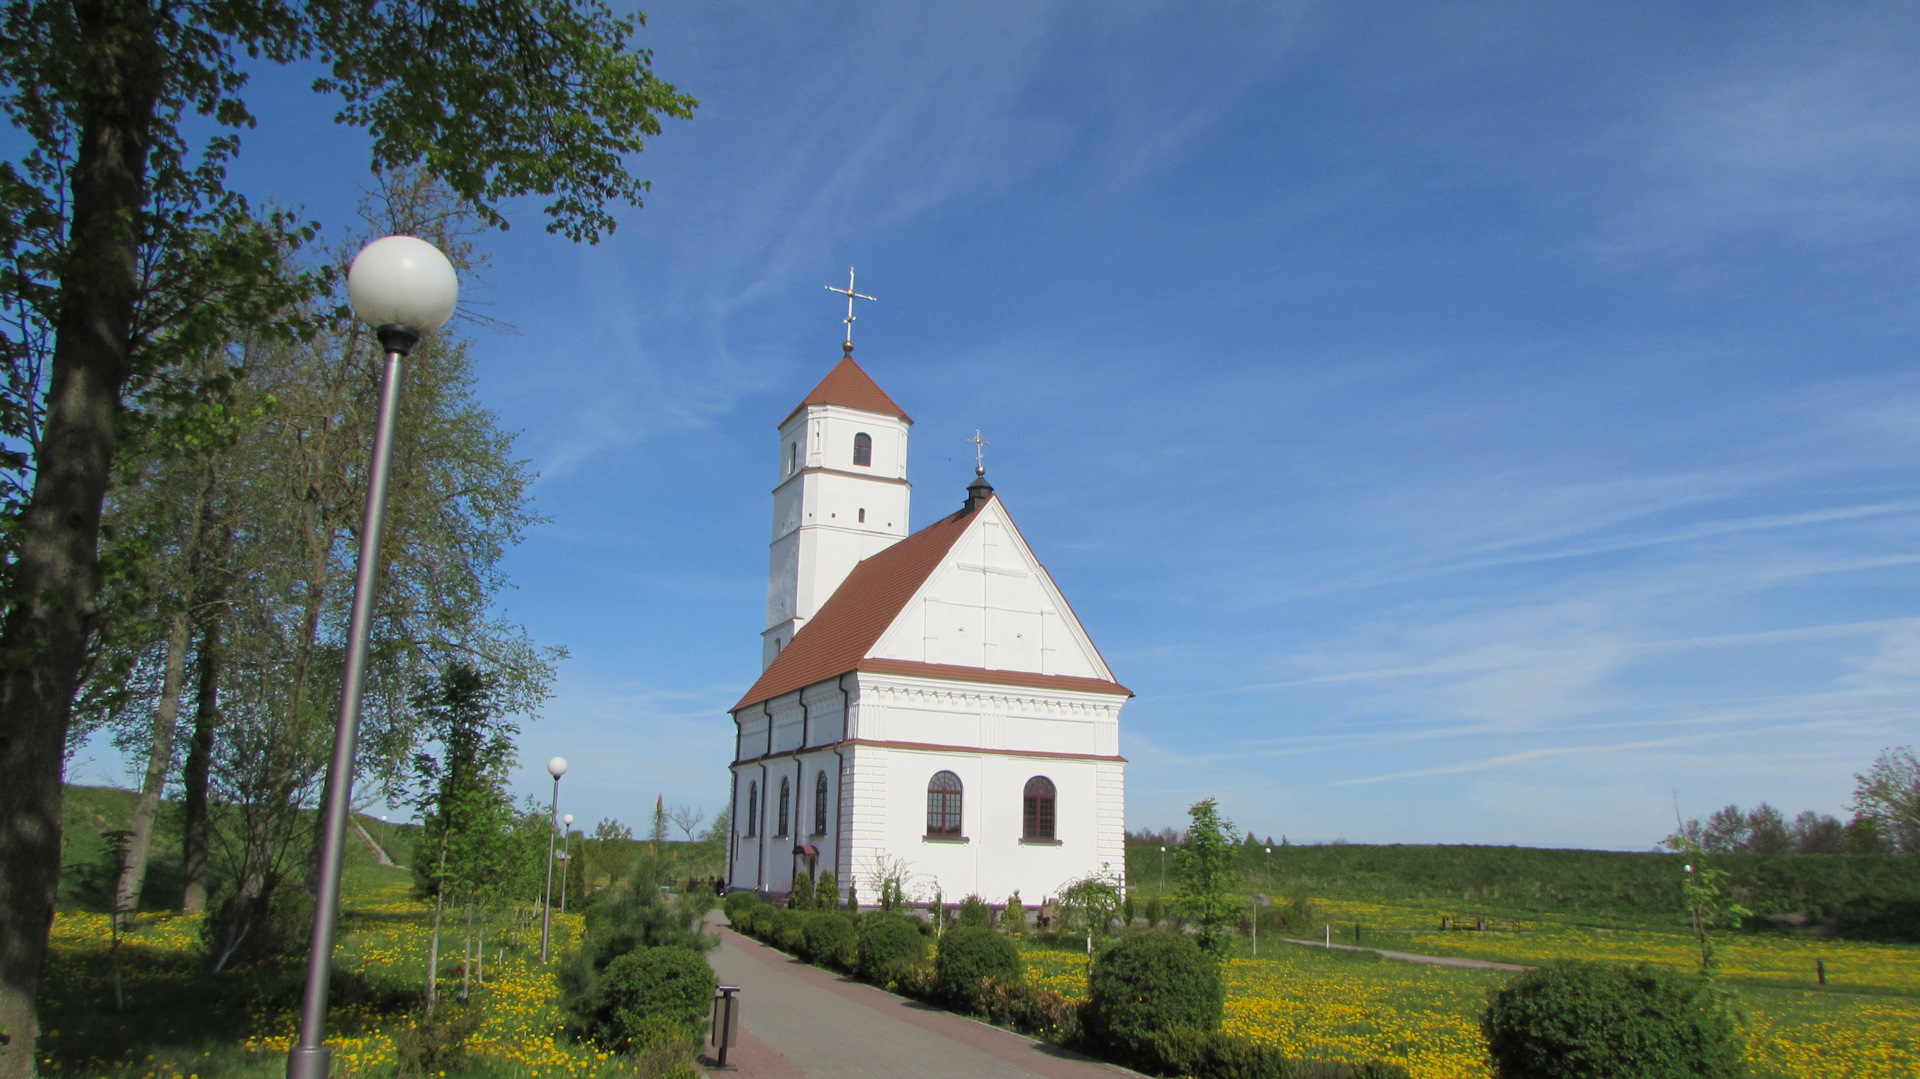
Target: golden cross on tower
[
  {"x": 979, "y": 452},
  {"x": 851, "y": 296}
]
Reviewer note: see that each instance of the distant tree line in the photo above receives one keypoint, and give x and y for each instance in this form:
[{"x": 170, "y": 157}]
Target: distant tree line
[{"x": 1886, "y": 819}]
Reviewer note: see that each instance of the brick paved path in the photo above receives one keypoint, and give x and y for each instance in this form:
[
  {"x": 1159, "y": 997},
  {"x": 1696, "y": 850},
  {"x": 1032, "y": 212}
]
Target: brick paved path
[{"x": 798, "y": 1020}]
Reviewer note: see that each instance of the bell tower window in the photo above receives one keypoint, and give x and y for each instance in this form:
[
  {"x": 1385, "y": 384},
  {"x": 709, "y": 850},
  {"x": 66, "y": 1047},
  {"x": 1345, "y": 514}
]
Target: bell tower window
[
  {"x": 863, "y": 450},
  {"x": 793, "y": 457}
]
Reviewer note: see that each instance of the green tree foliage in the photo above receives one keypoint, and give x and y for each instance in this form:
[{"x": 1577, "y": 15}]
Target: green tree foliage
[
  {"x": 1141, "y": 987},
  {"x": 968, "y": 955},
  {"x": 461, "y": 795},
  {"x": 1090, "y": 904},
  {"x": 1705, "y": 895},
  {"x": 973, "y": 911},
  {"x": 1888, "y": 795},
  {"x": 1579, "y": 1020},
  {"x": 1203, "y": 873},
  {"x": 126, "y": 255}
]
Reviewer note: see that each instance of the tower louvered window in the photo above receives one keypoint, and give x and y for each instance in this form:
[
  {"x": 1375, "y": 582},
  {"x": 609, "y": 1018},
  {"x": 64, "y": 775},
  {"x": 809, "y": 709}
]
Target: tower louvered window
[
  {"x": 943, "y": 804},
  {"x": 1037, "y": 812}
]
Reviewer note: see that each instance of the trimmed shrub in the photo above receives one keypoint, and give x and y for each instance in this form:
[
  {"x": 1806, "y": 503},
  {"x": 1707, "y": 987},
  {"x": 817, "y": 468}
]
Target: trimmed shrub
[
  {"x": 973, "y": 911},
  {"x": 1014, "y": 917},
  {"x": 1146, "y": 985},
  {"x": 827, "y": 934},
  {"x": 1605, "y": 1020},
  {"x": 647, "y": 988},
  {"x": 787, "y": 930},
  {"x": 885, "y": 939},
  {"x": 970, "y": 954},
  {"x": 802, "y": 898}
]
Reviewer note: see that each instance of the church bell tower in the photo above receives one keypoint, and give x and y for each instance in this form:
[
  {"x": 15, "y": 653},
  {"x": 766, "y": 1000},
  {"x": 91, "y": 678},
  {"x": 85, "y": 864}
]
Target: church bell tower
[{"x": 842, "y": 495}]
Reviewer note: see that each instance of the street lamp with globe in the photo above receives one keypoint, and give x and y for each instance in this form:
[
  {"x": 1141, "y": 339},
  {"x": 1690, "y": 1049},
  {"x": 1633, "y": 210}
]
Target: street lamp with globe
[
  {"x": 556, "y": 768},
  {"x": 404, "y": 288}
]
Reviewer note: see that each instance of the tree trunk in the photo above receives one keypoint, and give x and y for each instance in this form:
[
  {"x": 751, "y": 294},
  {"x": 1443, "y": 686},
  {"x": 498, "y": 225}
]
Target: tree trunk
[
  {"x": 133, "y": 871},
  {"x": 43, "y": 636},
  {"x": 194, "y": 841},
  {"x": 433, "y": 947}
]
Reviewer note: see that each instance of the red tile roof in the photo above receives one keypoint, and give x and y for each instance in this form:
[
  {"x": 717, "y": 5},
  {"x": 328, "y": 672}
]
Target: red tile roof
[
  {"x": 839, "y": 636},
  {"x": 850, "y": 623},
  {"x": 850, "y": 387}
]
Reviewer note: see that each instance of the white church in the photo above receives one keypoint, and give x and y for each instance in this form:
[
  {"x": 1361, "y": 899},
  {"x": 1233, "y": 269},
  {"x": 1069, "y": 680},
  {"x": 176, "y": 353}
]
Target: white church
[{"x": 928, "y": 699}]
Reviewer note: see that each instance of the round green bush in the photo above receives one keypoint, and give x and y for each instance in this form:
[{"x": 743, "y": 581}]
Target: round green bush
[
  {"x": 1146, "y": 985},
  {"x": 1584, "y": 1020},
  {"x": 647, "y": 986},
  {"x": 968, "y": 955},
  {"x": 885, "y": 938},
  {"x": 827, "y": 934}
]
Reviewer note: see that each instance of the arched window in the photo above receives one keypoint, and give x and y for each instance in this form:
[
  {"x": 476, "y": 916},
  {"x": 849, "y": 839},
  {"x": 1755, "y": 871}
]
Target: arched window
[
  {"x": 793, "y": 457},
  {"x": 863, "y": 449},
  {"x": 1037, "y": 815},
  {"x": 753, "y": 810},
  {"x": 820, "y": 803},
  {"x": 943, "y": 804},
  {"x": 786, "y": 806}
]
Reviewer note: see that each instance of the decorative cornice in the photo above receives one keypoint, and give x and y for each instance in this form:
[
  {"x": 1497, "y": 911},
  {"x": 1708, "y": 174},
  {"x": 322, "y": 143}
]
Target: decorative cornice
[{"x": 928, "y": 747}]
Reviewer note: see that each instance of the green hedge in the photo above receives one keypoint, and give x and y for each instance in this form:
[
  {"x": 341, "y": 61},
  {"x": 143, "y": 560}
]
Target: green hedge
[{"x": 1584, "y": 1020}]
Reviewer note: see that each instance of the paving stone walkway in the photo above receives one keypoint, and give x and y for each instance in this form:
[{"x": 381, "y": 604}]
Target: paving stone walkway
[
  {"x": 800, "y": 1021},
  {"x": 1409, "y": 957}
]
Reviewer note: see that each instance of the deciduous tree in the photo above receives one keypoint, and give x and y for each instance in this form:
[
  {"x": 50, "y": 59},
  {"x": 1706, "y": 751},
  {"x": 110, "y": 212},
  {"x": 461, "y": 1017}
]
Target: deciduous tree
[
  {"x": 125, "y": 251},
  {"x": 1202, "y": 867}
]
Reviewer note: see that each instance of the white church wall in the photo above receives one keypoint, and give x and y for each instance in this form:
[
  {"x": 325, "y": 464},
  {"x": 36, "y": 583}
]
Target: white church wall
[{"x": 993, "y": 860}]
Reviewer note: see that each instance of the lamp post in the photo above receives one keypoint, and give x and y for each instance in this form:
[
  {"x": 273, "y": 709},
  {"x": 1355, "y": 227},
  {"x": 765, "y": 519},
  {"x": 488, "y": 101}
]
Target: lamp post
[
  {"x": 566, "y": 852},
  {"x": 403, "y": 287},
  {"x": 1269, "y": 869},
  {"x": 556, "y": 768},
  {"x": 1163, "y": 871}
]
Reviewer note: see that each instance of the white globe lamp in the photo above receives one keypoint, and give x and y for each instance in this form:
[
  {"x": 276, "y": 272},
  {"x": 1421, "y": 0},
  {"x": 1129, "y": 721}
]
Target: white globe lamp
[{"x": 403, "y": 287}]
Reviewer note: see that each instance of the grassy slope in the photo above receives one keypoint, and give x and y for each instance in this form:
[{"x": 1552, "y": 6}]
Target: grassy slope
[{"x": 1624, "y": 886}]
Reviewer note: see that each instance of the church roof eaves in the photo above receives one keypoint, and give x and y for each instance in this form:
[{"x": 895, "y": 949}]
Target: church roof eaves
[
  {"x": 837, "y": 639},
  {"x": 848, "y": 386}
]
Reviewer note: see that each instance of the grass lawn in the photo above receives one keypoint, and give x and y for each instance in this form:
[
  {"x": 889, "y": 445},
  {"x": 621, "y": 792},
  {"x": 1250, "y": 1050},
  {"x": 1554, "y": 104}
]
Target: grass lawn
[
  {"x": 1315, "y": 1003},
  {"x": 180, "y": 1022}
]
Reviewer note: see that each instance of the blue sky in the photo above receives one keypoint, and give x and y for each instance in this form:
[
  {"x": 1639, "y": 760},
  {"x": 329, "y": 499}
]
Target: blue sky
[{"x": 1456, "y": 423}]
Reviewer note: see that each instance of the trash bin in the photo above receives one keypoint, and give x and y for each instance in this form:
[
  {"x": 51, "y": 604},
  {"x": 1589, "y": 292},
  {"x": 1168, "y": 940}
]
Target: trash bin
[{"x": 726, "y": 1021}]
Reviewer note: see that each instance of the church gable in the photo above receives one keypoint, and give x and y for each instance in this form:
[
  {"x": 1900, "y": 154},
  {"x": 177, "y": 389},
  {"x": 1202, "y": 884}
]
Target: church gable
[{"x": 990, "y": 604}]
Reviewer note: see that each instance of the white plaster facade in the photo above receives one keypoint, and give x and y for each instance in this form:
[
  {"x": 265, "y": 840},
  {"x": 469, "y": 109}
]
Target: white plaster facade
[{"x": 954, "y": 652}]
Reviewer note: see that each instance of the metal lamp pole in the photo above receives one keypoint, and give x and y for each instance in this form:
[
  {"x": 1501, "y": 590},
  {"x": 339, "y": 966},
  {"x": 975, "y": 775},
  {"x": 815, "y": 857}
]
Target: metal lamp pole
[
  {"x": 556, "y": 768},
  {"x": 1163, "y": 870},
  {"x": 1269, "y": 869},
  {"x": 566, "y": 853},
  {"x": 403, "y": 287}
]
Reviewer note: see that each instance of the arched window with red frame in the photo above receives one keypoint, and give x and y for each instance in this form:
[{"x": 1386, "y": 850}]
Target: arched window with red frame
[
  {"x": 943, "y": 804},
  {"x": 1036, "y": 816}
]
